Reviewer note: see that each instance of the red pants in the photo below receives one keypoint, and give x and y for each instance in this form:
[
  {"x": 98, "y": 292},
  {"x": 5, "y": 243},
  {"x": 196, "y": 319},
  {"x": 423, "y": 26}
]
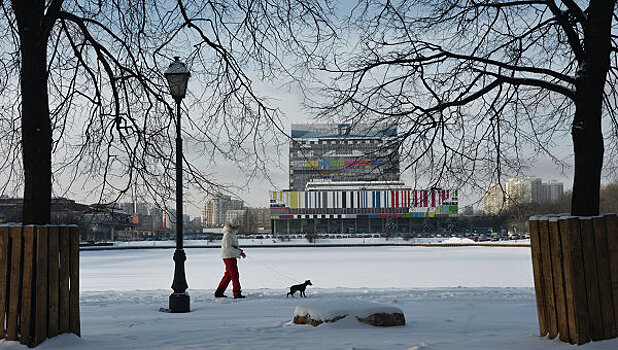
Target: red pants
[{"x": 231, "y": 274}]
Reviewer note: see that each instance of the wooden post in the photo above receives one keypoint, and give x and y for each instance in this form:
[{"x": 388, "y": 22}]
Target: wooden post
[
  {"x": 611, "y": 225},
  {"x": 548, "y": 279},
  {"x": 4, "y": 267},
  {"x": 575, "y": 291},
  {"x": 27, "y": 287},
  {"x": 14, "y": 283},
  {"x": 604, "y": 277},
  {"x": 39, "y": 282},
  {"x": 537, "y": 268},
  {"x": 592, "y": 281},
  {"x": 63, "y": 316},
  {"x": 74, "y": 320},
  {"x": 557, "y": 270},
  {"x": 40, "y": 332},
  {"x": 575, "y": 265},
  {"x": 53, "y": 268}
]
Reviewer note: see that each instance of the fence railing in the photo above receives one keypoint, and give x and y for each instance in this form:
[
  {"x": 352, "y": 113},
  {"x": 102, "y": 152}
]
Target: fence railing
[
  {"x": 575, "y": 264},
  {"x": 39, "y": 282}
]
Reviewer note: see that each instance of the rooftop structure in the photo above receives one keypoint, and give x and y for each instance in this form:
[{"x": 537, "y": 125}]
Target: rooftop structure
[{"x": 342, "y": 152}]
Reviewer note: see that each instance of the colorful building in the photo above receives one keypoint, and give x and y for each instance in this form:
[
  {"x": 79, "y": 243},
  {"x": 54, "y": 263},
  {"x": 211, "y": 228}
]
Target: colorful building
[
  {"x": 358, "y": 210},
  {"x": 345, "y": 178}
]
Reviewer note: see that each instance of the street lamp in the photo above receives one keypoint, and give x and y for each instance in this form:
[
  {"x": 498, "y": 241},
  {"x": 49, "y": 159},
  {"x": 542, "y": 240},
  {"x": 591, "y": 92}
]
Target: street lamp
[{"x": 177, "y": 76}]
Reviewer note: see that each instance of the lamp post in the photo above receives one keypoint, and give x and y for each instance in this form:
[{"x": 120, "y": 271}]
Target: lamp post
[{"x": 177, "y": 76}]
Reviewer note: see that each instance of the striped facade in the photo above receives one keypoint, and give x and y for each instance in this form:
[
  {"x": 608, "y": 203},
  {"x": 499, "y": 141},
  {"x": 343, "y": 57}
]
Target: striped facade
[{"x": 405, "y": 202}]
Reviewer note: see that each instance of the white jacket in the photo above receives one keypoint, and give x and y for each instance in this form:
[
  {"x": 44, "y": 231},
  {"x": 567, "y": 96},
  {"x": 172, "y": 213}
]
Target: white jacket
[{"x": 229, "y": 244}]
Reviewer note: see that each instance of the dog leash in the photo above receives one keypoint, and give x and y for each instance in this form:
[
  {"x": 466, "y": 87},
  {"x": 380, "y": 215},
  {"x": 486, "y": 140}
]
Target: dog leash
[{"x": 273, "y": 270}]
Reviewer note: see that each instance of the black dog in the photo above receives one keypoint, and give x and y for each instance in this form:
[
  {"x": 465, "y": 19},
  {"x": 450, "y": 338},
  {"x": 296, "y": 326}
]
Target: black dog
[{"x": 299, "y": 287}]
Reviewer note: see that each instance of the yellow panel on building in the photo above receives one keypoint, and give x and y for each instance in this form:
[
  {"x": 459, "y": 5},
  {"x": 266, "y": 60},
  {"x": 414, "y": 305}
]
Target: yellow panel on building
[{"x": 294, "y": 200}]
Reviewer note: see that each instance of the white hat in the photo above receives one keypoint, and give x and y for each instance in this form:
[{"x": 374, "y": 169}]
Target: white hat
[{"x": 233, "y": 222}]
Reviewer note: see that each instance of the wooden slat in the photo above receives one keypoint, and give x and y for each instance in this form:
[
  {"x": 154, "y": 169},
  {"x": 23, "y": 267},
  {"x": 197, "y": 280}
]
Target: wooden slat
[
  {"x": 4, "y": 265},
  {"x": 592, "y": 281},
  {"x": 74, "y": 319},
  {"x": 40, "y": 332},
  {"x": 611, "y": 225},
  {"x": 550, "y": 301},
  {"x": 575, "y": 284},
  {"x": 604, "y": 278},
  {"x": 63, "y": 317},
  {"x": 556, "y": 263},
  {"x": 538, "y": 275},
  {"x": 14, "y": 283},
  {"x": 26, "y": 314},
  {"x": 53, "y": 268}
]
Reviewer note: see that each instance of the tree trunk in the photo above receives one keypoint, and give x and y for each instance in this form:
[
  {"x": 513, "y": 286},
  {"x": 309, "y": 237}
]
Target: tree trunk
[
  {"x": 35, "y": 123},
  {"x": 586, "y": 131}
]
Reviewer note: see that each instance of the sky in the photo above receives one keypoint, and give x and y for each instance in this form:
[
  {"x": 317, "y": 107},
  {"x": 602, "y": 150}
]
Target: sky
[
  {"x": 289, "y": 101},
  {"x": 256, "y": 193}
]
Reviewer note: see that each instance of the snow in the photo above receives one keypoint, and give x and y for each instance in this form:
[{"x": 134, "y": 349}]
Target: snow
[
  {"x": 302, "y": 241},
  {"x": 478, "y": 298},
  {"x": 458, "y": 240},
  {"x": 338, "y": 267},
  {"x": 328, "y": 310}
]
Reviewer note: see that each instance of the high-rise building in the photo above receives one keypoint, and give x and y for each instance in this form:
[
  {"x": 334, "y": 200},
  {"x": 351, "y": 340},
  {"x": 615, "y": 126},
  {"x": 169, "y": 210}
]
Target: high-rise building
[
  {"x": 520, "y": 191},
  {"x": 553, "y": 191},
  {"x": 342, "y": 152},
  {"x": 217, "y": 206},
  {"x": 235, "y": 215}
]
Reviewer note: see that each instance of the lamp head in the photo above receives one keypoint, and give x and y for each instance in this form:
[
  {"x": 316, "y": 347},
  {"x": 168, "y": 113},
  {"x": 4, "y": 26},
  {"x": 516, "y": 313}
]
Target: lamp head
[{"x": 177, "y": 76}]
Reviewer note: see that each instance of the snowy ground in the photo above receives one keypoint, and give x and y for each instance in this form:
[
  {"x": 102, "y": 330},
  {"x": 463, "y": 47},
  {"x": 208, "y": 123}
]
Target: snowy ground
[
  {"x": 453, "y": 298},
  {"x": 302, "y": 241}
]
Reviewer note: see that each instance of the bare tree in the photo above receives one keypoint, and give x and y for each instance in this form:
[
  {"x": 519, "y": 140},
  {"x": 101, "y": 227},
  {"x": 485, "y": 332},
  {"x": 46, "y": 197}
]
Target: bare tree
[
  {"x": 248, "y": 223},
  {"x": 85, "y": 106},
  {"x": 609, "y": 198},
  {"x": 481, "y": 88}
]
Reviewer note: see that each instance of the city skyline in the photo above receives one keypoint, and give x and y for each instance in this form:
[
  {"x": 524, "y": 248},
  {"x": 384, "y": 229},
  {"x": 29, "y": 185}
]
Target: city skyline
[{"x": 521, "y": 190}]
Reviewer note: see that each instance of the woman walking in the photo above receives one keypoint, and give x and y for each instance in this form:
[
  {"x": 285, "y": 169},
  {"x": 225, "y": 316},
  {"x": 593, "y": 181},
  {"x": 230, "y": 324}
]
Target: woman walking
[{"x": 230, "y": 252}]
